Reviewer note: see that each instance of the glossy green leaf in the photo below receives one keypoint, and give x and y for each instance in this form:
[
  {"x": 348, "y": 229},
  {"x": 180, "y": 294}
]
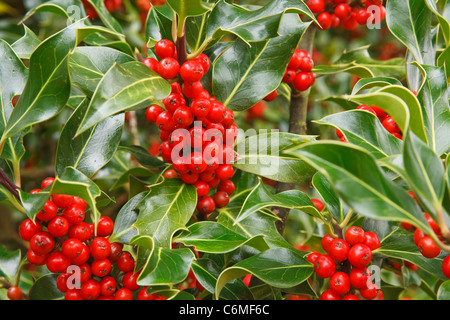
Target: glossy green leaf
[
  {"x": 167, "y": 208},
  {"x": 410, "y": 22},
  {"x": 264, "y": 155},
  {"x": 128, "y": 86},
  {"x": 332, "y": 201},
  {"x": 444, "y": 291},
  {"x": 25, "y": 46},
  {"x": 9, "y": 263},
  {"x": 158, "y": 25},
  {"x": 251, "y": 25},
  {"x": 400, "y": 244},
  {"x": 260, "y": 197},
  {"x": 208, "y": 236},
  {"x": 243, "y": 75},
  {"x": 88, "y": 65},
  {"x": 45, "y": 288},
  {"x": 368, "y": 83},
  {"x": 444, "y": 24},
  {"x": 105, "y": 16},
  {"x": 365, "y": 130},
  {"x": 187, "y": 8},
  {"x": 71, "y": 9},
  {"x": 277, "y": 267},
  {"x": 359, "y": 181},
  {"x": 143, "y": 156},
  {"x": 88, "y": 152}
]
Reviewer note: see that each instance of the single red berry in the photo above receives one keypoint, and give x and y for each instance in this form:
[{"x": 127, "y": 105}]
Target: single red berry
[
  {"x": 152, "y": 112},
  {"x": 360, "y": 277},
  {"x": 116, "y": 251},
  {"x": 325, "y": 266},
  {"x": 85, "y": 272},
  {"x": 80, "y": 202},
  {"x": 325, "y": 20},
  {"x": 360, "y": 255},
  {"x": 329, "y": 295},
  {"x": 318, "y": 204},
  {"x": 228, "y": 119},
  {"x": 15, "y": 293},
  {"x": 316, "y": 6},
  {"x": 428, "y": 247},
  {"x": 343, "y": 11},
  {"x": 354, "y": 235},
  {"x": 62, "y": 200},
  {"x": 47, "y": 182},
  {"x": 434, "y": 226},
  {"x": 446, "y": 266},
  {"x": 221, "y": 198},
  {"x": 58, "y": 226},
  {"x": 217, "y": 112},
  {"x": 205, "y": 62},
  {"x": 74, "y": 214},
  {"x": 202, "y": 188},
  {"x": 302, "y": 81},
  {"x": 80, "y": 231},
  {"x": 82, "y": 257},
  {"x": 105, "y": 226},
  {"x": 206, "y": 205},
  {"x": 171, "y": 174},
  {"x": 48, "y": 212},
  {"x": 168, "y": 68},
  {"x": 193, "y": 90},
  {"x": 390, "y": 125},
  {"x": 90, "y": 290},
  {"x": 100, "y": 248},
  {"x": 33, "y": 258},
  {"x": 313, "y": 256},
  {"x": 418, "y": 235},
  {"x": 340, "y": 283},
  {"x": 371, "y": 240},
  {"x": 173, "y": 102},
  {"x": 362, "y": 16},
  {"x": 225, "y": 172},
  {"x": 326, "y": 242},
  {"x": 72, "y": 248},
  {"x": 306, "y": 64},
  {"x": 42, "y": 243},
  {"x": 351, "y": 23},
  {"x": 289, "y": 76},
  {"x": 183, "y": 117},
  {"x": 62, "y": 281},
  {"x": 189, "y": 177},
  {"x": 165, "y": 49},
  {"x": 152, "y": 63},
  {"x": 129, "y": 281},
  {"x": 101, "y": 267},
  {"x": 338, "y": 249},
  {"x": 295, "y": 61},
  {"x": 57, "y": 262},
  {"x": 124, "y": 294},
  {"x": 165, "y": 121},
  {"x": 370, "y": 292},
  {"x": 271, "y": 96},
  {"x": 227, "y": 186},
  {"x": 192, "y": 70},
  {"x": 365, "y": 107},
  {"x": 350, "y": 297},
  {"x": 125, "y": 262},
  {"x": 73, "y": 294},
  {"x": 108, "y": 286},
  {"x": 28, "y": 228},
  {"x": 200, "y": 107}
]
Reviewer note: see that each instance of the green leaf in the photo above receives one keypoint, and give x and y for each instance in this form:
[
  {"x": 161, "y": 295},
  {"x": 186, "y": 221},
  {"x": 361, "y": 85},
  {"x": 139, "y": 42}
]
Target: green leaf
[
  {"x": 360, "y": 182},
  {"x": 243, "y": 75},
  {"x": 9, "y": 263},
  {"x": 88, "y": 66},
  {"x": 143, "y": 156},
  {"x": 107, "y": 19},
  {"x": 264, "y": 155},
  {"x": 158, "y": 25},
  {"x": 410, "y": 22},
  {"x": 167, "y": 208},
  {"x": 208, "y": 236},
  {"x": 325, "y": 189},
  {"x": 444, "y": 291},
  {"x": 206, "y": 272},
  {"x": 278, "y": 267},
  {"x": 45, "y": 288},
  {"x": 88, "y": 152},
  {"x": 129, "y": 86},
  {"x": 252, "y": 25},
  {"x": 260, "y": 197},
  {"x": 187, "y": 8},
  {"x": 66, "y": 8},
  {"x": 443, "y": 22},
  {"x": 25, "y": 46},
  {"x": 400, "y": 244},
  {"x": 358, "y": 62},
  {"x": 369, "y": 83},
  {"x": 363, "y": 128}
]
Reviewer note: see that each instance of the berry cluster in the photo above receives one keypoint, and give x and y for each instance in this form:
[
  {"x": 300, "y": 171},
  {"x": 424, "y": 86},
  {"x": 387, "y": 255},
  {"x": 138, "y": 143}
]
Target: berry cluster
[
  {"x": 354, "y": 253},
  {"x": 348, "y": 14},
  {"x": 89, "y": 266},
  {"x": 111, "y": 5},
  {"x": 196, "y": 130},
  {"x": 386, "y": 120},
  {"x": 298, "y": 71}
]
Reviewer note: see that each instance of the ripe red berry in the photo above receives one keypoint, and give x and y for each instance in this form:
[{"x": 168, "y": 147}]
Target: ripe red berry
[
  {"x": 124, "y": 294},
  {"x": 271, "y": 96},
  {"x": 326, "y": 241},
  {"x": 183, "y": 117},
  {"x": 338, "y": 249},
  {"x": 325, "y": 266},
  {"x": 225, "y": 172},
  {"x": 216, "y": 113},
  {"x": 390, "y": 125},
  {"x": 343, "y": 11},
  {"x": 366, "y": 108},
  {"x": 73, "y": 294},
  {"x": 227, "y": 186},
  {"x": 48, "y": 212},
  {"x": 62, "y": 281},
  {"x": 418, "y": 235},
  {"x": 192, "y": 70},
  {"x": 80, "y": 231},
  {"x": 152, "y": 63},
  {"x": 72, "y": 248},
  {"x": 100, "y": 248},
  {"x": 302, "y": 81},
  {"x": 360, "y": 255},
  {"x": 165, "y": 121},
  {"x": 101, "y": 267},
  {"x": 165, "y": 49},
  {"x": 205, "y": 62},
  {"x": 47, "y": 182},
  {"x": 105, "y": 226},
  {"x": 82, "y": 257},
  {"x": 15, "y": 293},
  {"x": 62, "y": 200},
  {"x": 370, "y": 292},
  {"x": 90, "y": 290},
  {"x": 206, "y": 205},
  {"x": 428, "y": 247},
  {"x": 371, "y": 240},
  {"x": 354, "y": 235},
  {"x": 189, "y": 177},
  {"x": 108, "y": 286},
  {"x": 28, "y": 229},
  {"x": 359, "y": 277},
  {"x": 57, "y": 262},
  {"x": 129, "y": 281},
  {"x": 200, "y": 108},
  {"x": 193, "y": 90},
  {"x": 350, "y": 297},
  {"x": 316, "y": 6},
  {"x": 325, "y": 20},
  {"x": 152, "y": 112},
  {"x": 329, "y": 295},
  {"x": 313, "y": 256},
  {"x": 42, "y": 243},
  {"x": 202, "y": 188},
  {"x": 36, "y": 259},
  {"x": 446, "y": 266},
  {"x": 318, "y": 204},
  {"x": 74, "y": 214},
  {"x": 221, "y": 198},
  {"x": 125, "y": 262},
  {"x": 168, "y": 68},
  {"x": 58, "y": 226},
  {"x": 306, "y": 64},
  {"x": 340, "y": 283},
  {"x": 116, "y": 251}
]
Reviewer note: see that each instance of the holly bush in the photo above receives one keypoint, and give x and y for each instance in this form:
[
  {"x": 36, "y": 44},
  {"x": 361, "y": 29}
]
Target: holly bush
[{"x": 225, "y": 150}]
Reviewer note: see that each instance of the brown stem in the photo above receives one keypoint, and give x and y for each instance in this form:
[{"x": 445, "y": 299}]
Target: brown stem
[
  {"x": 298, "y": 111},
  {"x": 6, "y": 182}
]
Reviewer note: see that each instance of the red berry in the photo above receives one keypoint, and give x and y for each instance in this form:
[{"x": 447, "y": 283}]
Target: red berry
[
  {"x": 62, "y": 200},
  {"x": 72, "y": 248},
  {"x": 152, "y": 63},
  {"x": 446, "y": 266},
  {"x": 165, "y": 121},
  {"x": 28, "y": 229},
  {"x": 202, "y": 188},
  {"x": 360, "y": 255},
  {"x": 82, "y": 257},
  {"x": 183, "y": 117},
  {"x": 221, "y": 198},
  {"x": 326, "y": 242},
  {"x": 15, "y": 293},
  {"x": 206, "y": 205},
  {"x": 100, "y": 248},
  {"x": 316, "y": 6},
  {"x": 366, "y": 108},
  {"x": 227, "y": 186},
  {"x": 338, "y": 249},
  {"x": 370, "y": 292},
  {"x": 340, "y": 283},
  {"x": 271, "y": 96},
  {"x": 390, "y": 125},
  {"x": 143, "y": 295},
  {"x": 105, "y": 226},
  {"x": 57, "y": 262},
  {"x": 428, "y": 247},
  {"x": 58, "y": 226},
  {"x": 168, "y": 68},
  {"x": 350, "y": 297},
  {"x": 171, "y": 174},
  {"x": 80, "y": 202},
  {"x": 318, "y": 204},
  {"x": 371, "y": 240},
  {"x": 418, "y": 235},
  {"x": 329, "y": 295},
  {"x": 61, "y": 282},
  {"x": 101, "y": 267},
  {"x": 152, "y": 112},
  {"x": 302, "y": 81},
  {"x": 189, "y": 177},
  {"x": 90, "y": 290},
  {"x": 350, "y": 23},
  {"x": 47, "y": 182},
  {"x": 288, "y": 77},
  {"x": 165, "y": 49},
  {"x": 200, "y": 108},
  {"x": 73, "y": 294},
  {"x": 193, "y": 90},
  {"x": 36, "y": 259},
  {"x": 205, "y": 62},
  {"x": 325, "y": 20},
  {"x": 108, "y": 286},
  {"x": 80, "y": 231},
  {"x": 74, "y": 214},
  {"x": 313, "y": 256},
  {"x": 343, "y": 11},
  {"x": 48, "y": 212},
  {"x": 124, "y": 294},
  {"x": 325, "y": 266},
  {"x": 225, "y": 172},
  {"x": 354, "y": 235},
  {"x": 42, "y": 243},
  {"x": 116, "y": 251},
  {"x": 191, "y": 71},
  {"x": 125, "y": 262},
  {"x": 217, "y": 112},
  {"x": 306, "y": 64},
  {"x": 359, "y": 277},
  {"x": 129, "y": 281}
]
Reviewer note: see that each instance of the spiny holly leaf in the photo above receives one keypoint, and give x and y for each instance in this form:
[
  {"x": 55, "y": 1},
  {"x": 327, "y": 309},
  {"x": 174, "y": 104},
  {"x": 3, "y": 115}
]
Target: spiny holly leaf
[
  {"x": 410, "y": 22},
  {"x": 128, "y": 86},
  {"x": 167, "y": 208},
  {"x": 400, "y": 244},
  {"x": 243, "y": 75},
  {"x": 25, "y": 46},
  {"x": 278, "y": 267},
  {"x": 251, "y": 25},
  {"x": 263, "y": 154},
  {"x": 360, "y": 182},
  {"x": 365, "y": 130},
  {"x": 260, "y": 197},
  {"x": 88, "y": 152},
  {"x": 158, "y": 24},
  {"x": 208, "y": 236},
  {"x": 88, "y": 65}
]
